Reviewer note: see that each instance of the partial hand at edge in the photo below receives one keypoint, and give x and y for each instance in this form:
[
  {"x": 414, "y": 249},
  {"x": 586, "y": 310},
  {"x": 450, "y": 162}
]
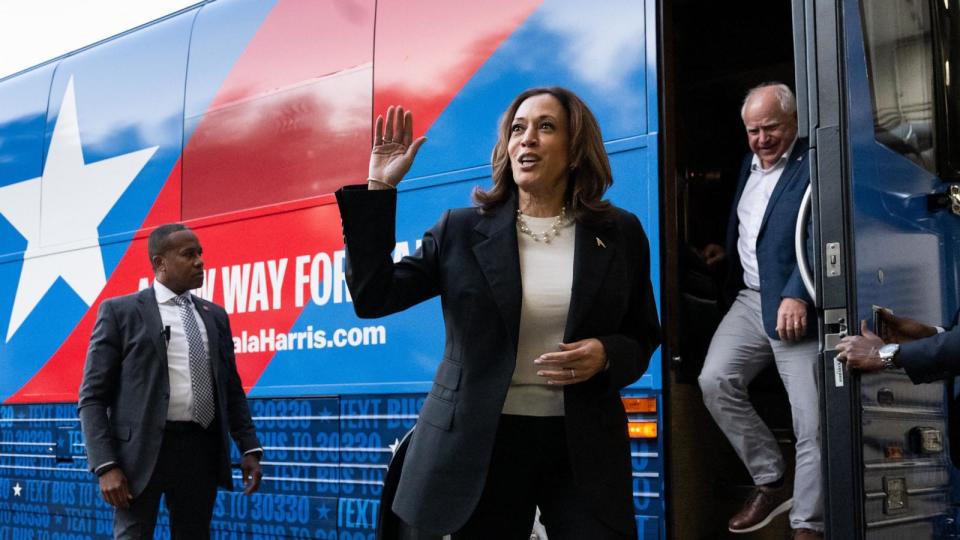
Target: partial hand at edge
[
  {"x": 250, "y": 466},
  {"x": 792, "y": 319},
  {"x": 713, "y": 254},
  {"x": 394, "y": 148},
  {"x": 114, "y": 488},
  {"x": 903, "y": 330}
]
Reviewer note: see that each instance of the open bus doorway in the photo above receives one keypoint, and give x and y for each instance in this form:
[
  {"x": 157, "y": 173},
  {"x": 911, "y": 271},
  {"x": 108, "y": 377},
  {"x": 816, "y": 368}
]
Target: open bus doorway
[{"x": 712, "y": 53}]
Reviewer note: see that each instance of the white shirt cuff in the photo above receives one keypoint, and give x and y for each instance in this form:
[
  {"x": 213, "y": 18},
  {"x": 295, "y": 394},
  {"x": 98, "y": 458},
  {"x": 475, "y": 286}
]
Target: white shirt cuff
[{"x": 102, "y": 465}]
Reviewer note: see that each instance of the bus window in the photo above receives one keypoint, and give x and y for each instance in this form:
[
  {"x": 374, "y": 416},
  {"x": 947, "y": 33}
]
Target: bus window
[
  {"x": 289, "y": 122},
  {"x": 899, "y": 41},
  {"x": 21, "y": 146}
]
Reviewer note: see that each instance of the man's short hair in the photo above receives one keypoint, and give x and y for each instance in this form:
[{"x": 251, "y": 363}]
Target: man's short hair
[
  {"x": 157, "y": 243},
  {"x": 788, "y": 103}
]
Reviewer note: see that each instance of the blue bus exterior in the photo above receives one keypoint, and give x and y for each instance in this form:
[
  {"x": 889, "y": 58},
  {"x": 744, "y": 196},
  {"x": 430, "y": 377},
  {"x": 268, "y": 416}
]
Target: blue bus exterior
[{"x": 240, "y": 118}]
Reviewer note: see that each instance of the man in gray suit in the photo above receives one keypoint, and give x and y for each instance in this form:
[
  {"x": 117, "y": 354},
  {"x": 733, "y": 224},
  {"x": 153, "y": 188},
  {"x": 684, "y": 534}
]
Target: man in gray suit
[{"x": 159, "y": 396}]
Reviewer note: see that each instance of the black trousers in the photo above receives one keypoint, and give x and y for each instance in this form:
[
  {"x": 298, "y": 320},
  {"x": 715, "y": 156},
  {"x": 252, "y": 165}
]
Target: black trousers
[
  {"x": 530, "y": 468},
  {"x": 186, "y": 474}
]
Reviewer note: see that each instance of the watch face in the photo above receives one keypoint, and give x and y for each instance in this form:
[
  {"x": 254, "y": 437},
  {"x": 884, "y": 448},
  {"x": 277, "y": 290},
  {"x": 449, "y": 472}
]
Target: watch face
[{"x": 888, "y": 350}]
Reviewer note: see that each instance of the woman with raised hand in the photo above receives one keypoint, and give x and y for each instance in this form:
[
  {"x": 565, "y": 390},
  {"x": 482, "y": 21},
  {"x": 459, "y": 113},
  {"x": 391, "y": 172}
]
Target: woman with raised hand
[{"x": 549, "y": 312}]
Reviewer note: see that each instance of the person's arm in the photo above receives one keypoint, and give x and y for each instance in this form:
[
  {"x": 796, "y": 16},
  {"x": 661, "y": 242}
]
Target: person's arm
[
  {"x": 378, "y": 286},
  {"x": 927, "y": 359},
  {"x": 932, "y": 358},
  {"x": 902, "y": 329},
  {"x": 795, "y": 300},
  {"x": 629, "y": 349},
  {"x": 101, "y": 375}
]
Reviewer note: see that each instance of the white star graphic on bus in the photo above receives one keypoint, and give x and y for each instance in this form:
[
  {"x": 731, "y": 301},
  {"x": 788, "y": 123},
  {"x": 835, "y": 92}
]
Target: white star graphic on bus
[
  {"x": 17, "y": 489},
  {"x": 58, "y": 214}
]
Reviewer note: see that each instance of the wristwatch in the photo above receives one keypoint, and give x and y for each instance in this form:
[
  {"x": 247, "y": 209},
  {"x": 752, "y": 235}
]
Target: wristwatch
[{"x": 888, "y": 353}]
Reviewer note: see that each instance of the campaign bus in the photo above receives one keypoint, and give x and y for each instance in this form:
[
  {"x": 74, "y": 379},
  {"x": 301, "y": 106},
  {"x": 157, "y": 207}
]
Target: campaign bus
[{"x": 241, "y": 118}]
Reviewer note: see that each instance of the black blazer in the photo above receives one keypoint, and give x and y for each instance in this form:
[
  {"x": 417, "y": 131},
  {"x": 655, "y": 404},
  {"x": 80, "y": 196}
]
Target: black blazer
[
  {"x": 126, "y": 388},
  {"x": 471, "y": 260},
  {"x": 776, "y": 255}
]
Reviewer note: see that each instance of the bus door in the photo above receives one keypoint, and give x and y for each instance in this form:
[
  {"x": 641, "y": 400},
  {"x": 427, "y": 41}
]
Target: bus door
[
  {"x": 874, "y": 92},
  {"x": 709, "y": 62}
]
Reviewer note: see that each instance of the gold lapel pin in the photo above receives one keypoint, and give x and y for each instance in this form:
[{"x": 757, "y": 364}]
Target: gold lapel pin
[{"x": 600, "y": 242}]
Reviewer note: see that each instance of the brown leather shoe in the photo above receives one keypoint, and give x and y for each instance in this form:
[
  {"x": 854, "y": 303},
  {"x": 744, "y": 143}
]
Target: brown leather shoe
[
  {"x": 807, "y": 534},
  {"x": 764, "y": 504}
]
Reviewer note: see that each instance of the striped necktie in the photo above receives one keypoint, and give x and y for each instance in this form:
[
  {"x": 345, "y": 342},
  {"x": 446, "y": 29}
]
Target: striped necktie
[{"x": 201, "y": 380}]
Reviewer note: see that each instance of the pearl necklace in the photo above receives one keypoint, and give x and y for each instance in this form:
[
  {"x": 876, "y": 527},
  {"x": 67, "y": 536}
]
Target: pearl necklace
[{"x": 547, "y": 235}]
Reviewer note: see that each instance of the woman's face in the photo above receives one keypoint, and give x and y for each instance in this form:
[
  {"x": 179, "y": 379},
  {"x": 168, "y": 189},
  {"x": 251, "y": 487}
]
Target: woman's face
[{"x": 539, "y": 145}]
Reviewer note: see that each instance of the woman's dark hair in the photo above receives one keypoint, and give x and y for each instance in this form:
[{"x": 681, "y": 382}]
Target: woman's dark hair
[{"x": 590, "y": 175}]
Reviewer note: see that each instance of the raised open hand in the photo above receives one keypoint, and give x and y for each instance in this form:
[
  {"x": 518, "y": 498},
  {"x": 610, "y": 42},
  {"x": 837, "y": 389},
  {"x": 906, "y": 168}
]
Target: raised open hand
[{"x": 393, "y": 147}]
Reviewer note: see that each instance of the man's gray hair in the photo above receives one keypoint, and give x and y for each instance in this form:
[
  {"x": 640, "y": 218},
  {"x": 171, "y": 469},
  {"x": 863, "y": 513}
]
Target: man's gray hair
[{"x": 788, "y": 103}]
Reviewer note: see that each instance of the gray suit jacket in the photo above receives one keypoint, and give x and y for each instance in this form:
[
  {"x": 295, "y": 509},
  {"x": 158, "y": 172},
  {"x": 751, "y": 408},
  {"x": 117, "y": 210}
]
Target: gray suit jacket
[
  {"x": 125, "y": 388},
  {"x": 470, "y": 259}
]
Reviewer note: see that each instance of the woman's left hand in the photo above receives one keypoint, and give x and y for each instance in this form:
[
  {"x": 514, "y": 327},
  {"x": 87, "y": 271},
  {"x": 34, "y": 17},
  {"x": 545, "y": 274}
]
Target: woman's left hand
[{"x": 575, "y": 363}]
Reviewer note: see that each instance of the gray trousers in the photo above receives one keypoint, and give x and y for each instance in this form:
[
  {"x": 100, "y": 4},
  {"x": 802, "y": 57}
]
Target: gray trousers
[{"x": 740, "y": 349}]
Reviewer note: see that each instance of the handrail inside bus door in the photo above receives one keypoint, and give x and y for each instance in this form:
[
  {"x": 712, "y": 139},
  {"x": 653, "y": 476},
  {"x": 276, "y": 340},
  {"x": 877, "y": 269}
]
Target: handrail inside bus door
[{"x": 800, "y": 244}]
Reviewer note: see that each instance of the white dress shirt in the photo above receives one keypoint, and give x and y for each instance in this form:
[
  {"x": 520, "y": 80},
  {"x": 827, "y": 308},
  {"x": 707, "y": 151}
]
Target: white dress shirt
[
  {"x": 180, "y": 407},
  {"x": 750, "y": 211}
]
